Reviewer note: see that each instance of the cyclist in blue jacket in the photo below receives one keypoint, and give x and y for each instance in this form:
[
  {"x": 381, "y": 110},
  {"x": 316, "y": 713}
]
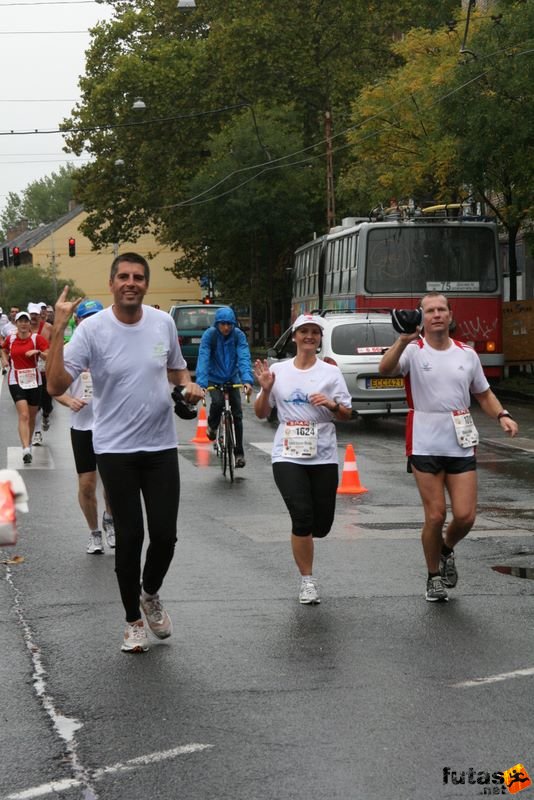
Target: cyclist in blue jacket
[{"x": 224, "y": 357}]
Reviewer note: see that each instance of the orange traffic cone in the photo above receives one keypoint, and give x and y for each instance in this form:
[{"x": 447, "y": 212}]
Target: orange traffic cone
[
  {"x": 350, "y": 479},
  {"x": 201, "y": 436}
]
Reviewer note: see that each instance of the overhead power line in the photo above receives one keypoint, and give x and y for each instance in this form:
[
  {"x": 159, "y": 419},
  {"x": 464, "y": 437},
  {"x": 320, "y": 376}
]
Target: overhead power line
[
  {"x": 49, "y": 161},
  {"x": 264, "y": 167},
  {"x": 50, "y": 3},
  {"x": 40, "y": 33},
  {"x": 40, "y": 100},
  {"x": 135, "y": 123}
]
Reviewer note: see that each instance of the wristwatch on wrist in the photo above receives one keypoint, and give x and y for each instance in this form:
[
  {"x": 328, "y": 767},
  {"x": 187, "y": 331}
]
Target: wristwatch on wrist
[{"x": 504, "y": 413}]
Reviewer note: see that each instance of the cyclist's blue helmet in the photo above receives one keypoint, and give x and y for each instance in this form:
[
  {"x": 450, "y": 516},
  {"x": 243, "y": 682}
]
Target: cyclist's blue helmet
[
  {"x": 225, "y": 314},
  {"x": 88, "y": 307}
]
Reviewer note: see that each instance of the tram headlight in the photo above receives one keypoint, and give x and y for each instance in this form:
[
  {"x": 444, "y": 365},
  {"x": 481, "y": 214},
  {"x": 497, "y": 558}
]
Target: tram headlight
[{"x": 491, "y": 347}]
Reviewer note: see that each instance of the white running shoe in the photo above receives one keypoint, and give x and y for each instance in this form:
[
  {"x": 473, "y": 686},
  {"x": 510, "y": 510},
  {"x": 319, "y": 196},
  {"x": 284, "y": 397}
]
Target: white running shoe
[
  {"x": 109, "y": 529},
  {"x": 37, "y": 439},
  {"x": 95, "y": 545},
  {"x": 135, "y": 638},
  {"x": 308, "y": 594},
  {"x": 158, "y": 620}
]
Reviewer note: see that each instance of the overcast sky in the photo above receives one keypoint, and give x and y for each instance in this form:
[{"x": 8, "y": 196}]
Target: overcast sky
[{"x": 42, "y": 47}]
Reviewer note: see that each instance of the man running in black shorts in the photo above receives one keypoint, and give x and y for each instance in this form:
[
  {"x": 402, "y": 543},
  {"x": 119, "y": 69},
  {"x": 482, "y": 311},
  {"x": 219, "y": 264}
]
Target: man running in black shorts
[{"x": 440, "y": 375}]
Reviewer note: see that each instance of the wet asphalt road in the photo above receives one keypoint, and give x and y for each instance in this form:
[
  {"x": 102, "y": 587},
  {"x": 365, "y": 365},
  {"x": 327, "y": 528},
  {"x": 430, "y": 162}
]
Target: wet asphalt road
[{"x": 373, "y": 694}]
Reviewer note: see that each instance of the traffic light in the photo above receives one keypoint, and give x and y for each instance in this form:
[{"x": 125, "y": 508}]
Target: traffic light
[
  {"x": 16, "y": 256},
  {"x": 72, "y": 247},
  {"x": 207, "y": 300}
]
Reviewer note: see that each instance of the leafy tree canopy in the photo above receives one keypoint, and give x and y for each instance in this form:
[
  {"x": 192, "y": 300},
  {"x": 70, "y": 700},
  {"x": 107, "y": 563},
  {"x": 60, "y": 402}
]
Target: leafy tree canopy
[
  {"x": 23, "y": 285},
  {"x": 310, "y": 54},
  {"x": 448, "y": 126},
  {"x": 399, "y": 148},
  {"x": 492, "y": 118},
  {"x": 227, "y": 69},
  {"x": 42, "y": 201},
  {"x": 243, "y": 236}
]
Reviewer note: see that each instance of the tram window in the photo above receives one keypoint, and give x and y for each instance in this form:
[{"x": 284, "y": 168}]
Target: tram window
[{"x": 407, "y": 259}]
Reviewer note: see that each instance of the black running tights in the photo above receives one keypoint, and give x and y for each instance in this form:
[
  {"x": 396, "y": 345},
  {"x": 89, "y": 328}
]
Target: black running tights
[{"x": 127, "y": 477}]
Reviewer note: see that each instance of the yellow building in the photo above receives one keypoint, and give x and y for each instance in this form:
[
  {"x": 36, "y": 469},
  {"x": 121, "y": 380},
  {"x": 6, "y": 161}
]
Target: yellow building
[{"x": 89, "y": 269}]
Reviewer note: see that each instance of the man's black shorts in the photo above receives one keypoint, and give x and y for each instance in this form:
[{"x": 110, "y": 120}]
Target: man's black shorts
[
  {"x": 32, "y": 396},
  {"x": 451, "y": 465},
  {"x": 82, "y": 448}
]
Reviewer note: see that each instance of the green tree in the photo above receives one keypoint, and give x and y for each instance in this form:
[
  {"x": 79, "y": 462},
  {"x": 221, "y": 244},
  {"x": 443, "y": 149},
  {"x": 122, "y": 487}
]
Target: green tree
[
  {"x": 20, "y": 286},
  {"x": 197, "y": 73},
  {"x": 310, "y": 54},
  {"x": 11, "y": 213},
  {"x": 492, "y": 119},
  {"x": 445, "y": 126},
  {"x": 399, "y": 147},
  {"x": 244, "y": 238},
  {"x": 42, "y": 201}
]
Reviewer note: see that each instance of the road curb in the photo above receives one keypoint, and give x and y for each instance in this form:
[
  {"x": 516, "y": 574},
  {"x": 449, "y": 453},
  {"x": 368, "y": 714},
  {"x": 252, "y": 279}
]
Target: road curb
[{"x": 510, "y": 394}]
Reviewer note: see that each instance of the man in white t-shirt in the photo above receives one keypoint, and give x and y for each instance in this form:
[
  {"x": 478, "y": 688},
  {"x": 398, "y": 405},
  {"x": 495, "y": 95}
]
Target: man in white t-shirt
[
  {"x": 132, "y": 351},
  {"x": 440, "y": 375},
  {"x": 8, "y": 325}
]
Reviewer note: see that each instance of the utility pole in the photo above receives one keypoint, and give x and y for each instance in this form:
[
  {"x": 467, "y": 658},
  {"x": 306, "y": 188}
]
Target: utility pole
[
  {"x": 53, "y": 264},
  {"x": 330, "y": 196}
]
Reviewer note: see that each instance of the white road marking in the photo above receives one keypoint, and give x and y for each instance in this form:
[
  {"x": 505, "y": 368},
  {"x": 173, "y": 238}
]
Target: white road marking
[
  {"x": 502, "y": 676},
  {"x": 44, "y": 789},
  {"x": 152, "y": 758},
  {"x": 141, "y": 761},
  {"x": 266, "y": 447}
]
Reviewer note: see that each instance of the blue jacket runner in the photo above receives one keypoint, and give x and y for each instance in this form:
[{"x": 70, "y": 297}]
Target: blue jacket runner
[{"x": 223, "y": 359}]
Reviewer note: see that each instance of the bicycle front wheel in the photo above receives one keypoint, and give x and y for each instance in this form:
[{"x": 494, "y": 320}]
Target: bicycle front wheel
[
  {"x": 230, "y": 446},
  {"x": 221, "y": 445}
]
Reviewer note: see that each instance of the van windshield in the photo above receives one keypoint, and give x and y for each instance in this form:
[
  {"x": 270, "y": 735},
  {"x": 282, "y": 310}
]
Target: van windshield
[{"x": 194, "y": 319}]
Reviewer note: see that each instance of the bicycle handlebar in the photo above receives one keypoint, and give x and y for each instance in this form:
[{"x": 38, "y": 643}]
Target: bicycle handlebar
[{"x": 226, "y": 387}]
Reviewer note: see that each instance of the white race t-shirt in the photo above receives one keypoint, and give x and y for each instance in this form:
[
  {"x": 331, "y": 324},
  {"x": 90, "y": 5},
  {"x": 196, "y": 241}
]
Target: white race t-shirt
[
  {"x": 132, "y": 404},
  {"x": 290, "y": 393},
  {"x": 437, "y": 383}
]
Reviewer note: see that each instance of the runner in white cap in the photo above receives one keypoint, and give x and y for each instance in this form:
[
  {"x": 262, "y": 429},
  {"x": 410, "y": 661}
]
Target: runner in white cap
[
  {"x": 20, "y": 353},
  {"x": 309, "y": 395}
]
